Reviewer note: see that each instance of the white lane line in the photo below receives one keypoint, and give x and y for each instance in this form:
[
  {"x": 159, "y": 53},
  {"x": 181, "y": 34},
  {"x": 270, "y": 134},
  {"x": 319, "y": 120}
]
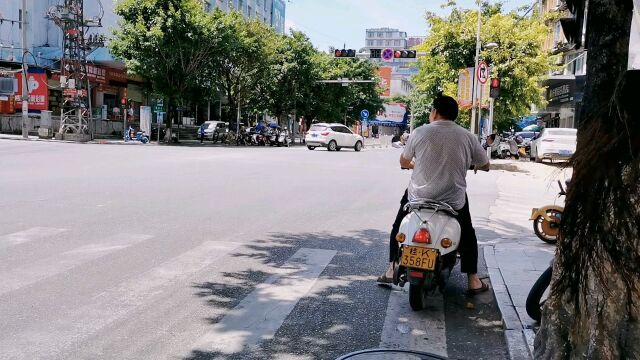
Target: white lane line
[
  {"x": 28, "y": 274},
  {"x": 258, "y": 316},
  {"x": 21, "y": 237},
  {"x": 414, "y": 330},
  {"x": 114, "y": 304}
]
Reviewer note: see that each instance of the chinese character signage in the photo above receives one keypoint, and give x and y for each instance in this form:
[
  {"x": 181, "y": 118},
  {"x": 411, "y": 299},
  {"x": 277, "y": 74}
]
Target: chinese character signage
[
  {"x": 96, "y": 74},
  {"x": 465, "y": 87},
  {"x": 38, "y": 91}
]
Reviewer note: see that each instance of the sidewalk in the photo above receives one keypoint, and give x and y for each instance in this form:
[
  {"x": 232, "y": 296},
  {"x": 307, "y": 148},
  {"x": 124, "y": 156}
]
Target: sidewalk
[{"x": 515, "y": 256}]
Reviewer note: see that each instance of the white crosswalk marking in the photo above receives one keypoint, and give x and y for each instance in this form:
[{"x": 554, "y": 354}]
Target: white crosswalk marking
[
  {"x": 406, "y": 329},
  {"x": 114, "y": 304},
  {"x": 261, "y": 313},
  {"x": 22, "y": 237},
  {"x": 56, "y": 264}
]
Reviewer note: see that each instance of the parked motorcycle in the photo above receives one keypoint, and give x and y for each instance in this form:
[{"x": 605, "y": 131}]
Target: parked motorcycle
[
  {"x": 142, "y": 137},
  {"x": 538, "y": 294},
  {"x": 546, "y": 220}
]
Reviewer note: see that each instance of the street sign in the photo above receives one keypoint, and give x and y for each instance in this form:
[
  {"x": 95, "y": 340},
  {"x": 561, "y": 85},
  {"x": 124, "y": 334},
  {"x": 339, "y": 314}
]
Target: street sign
[
  {"x": 159, "y": 106},
  {"x": 483, "y": 72},
  {"x": 364, "y": 114},
  {"x": 387, "y": 54}
]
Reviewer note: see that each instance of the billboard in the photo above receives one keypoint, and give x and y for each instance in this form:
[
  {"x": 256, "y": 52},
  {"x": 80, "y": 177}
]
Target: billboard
[
  {"x": 394, "y": 114},
  {"x": 385, "y": 79},
  {"x": 465, "y": 89},
  {"x": 38, "y": 90},
  {"x": 277, "y": 15}
]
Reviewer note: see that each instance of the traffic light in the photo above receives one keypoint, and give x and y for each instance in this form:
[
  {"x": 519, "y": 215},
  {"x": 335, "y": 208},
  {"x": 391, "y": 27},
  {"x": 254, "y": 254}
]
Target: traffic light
[
  {"x": 494, "y": 90},
  {"x": 573, "y": 26},
  {"x": 345, "y": 53},
  {"x": 375, "y": 53},
  {"x": 404, "y": 54}
]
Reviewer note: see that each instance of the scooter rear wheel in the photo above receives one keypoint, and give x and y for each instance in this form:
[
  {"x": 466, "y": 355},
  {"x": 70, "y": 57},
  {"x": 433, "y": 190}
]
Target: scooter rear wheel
[{"x": 417, "y": 297}]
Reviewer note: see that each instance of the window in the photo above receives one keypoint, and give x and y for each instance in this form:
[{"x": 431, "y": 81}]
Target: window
[
  {"x": 388, "y": 42},
  {"x": 389, "y": 34},
  {"x": 396, "y": 42},
  {"x": 20, "y": 19},
  {"x": 249, "y": 11},
  {"x": 317, "y": 128},
  {"x": 370, "y": 34},
  {"x": 380, "y": 34},
  {"x": 379, "y": 42},
  {"x": 369, "y": 42}
]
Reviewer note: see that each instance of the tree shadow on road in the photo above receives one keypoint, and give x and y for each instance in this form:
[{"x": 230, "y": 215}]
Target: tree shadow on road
[{"x": 313, "y": 329}]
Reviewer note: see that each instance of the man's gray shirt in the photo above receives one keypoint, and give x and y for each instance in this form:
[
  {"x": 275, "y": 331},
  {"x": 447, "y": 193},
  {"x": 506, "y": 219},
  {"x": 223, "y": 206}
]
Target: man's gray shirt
[{"x": 443, "y": 151}]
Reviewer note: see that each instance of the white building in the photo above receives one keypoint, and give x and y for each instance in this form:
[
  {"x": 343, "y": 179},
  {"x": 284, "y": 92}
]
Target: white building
[
  {"x": 383, "y": 38},
  {"x": 270, "y": 12}
]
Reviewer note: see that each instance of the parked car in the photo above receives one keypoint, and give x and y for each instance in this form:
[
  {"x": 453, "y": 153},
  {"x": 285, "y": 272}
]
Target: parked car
[
  {"x": 554, "y": 144},
  {"x": 214, "y": 130},
  {"x": 333, "y": 136}
]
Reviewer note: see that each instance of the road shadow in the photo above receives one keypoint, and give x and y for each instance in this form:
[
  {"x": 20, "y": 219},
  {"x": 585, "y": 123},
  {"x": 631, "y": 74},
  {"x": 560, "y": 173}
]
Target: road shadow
[{"x": 347, "y": 283}]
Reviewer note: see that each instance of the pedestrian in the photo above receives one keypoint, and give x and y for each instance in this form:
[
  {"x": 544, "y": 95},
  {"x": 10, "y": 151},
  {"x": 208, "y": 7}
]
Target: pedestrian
[
  {"x": 440, "y": 154},
  {"x": 201, "y": 134}
]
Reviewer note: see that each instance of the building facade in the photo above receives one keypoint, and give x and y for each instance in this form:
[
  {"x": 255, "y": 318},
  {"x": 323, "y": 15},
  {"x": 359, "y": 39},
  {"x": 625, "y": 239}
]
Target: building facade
[
  {"x": 565, "y": 86},
  {"x": 270, "y": 12},
  {"x": 383, "y": 38}
]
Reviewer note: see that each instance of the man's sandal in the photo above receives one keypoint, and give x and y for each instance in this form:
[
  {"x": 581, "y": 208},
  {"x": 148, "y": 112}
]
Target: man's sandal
[
  {"x": 384, "y": 280},
  {"x": 480, "y": 290}
]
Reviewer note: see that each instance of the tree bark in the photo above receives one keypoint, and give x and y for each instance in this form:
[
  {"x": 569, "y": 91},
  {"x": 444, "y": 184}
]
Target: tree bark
[{"x": 594, "y": 306}]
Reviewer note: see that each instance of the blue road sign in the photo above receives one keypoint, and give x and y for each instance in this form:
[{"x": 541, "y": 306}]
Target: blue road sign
[
  {"x": 364, "y": 114},
  {"x": 387, "y": 54}
]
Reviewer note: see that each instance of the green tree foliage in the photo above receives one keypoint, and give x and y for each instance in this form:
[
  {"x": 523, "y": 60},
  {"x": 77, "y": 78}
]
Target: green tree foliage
[
  {"x": 295, "y": 73},
  {"x": 243, "y": 68},
  {"x": 168, "y": 43},
  {"x": 332, "y": 102},
  {"x": 519, "y": 61}
]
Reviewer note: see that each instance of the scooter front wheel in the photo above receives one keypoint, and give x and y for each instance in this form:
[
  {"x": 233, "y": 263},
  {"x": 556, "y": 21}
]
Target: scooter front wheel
[
  {"x": 417, "y": 297},
  {"x": 545, "y": 230}
]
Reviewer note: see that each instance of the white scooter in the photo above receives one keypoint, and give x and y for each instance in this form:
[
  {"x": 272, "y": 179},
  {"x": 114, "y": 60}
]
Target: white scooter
[{"x": 429, "y": 238}]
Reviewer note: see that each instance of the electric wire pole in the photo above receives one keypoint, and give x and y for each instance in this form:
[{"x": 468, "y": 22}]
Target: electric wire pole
[{"x": 25, "y": 68}]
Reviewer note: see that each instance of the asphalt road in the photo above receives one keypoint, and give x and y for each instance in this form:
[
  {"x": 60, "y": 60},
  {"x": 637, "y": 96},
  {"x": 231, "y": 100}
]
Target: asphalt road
[{"x": 157, "y": 252}]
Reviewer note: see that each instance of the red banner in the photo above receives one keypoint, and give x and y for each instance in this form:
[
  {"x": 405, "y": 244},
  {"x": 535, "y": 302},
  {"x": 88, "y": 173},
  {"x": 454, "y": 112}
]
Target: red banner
[
  {"x": 38, "y": 90},
  {"x": 385, "y": 80}
]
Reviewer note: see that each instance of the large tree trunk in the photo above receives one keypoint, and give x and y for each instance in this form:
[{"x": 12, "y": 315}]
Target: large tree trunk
[{"x": 593, "y": 311}]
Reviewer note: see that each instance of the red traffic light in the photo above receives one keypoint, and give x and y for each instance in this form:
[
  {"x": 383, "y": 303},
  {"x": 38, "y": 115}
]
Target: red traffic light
[
  {"x": 123, "y": 101},
  {"x": 404, "y": 54},
  {"x": 495, "y": 83},
  {"x": 342, "y": 53}
]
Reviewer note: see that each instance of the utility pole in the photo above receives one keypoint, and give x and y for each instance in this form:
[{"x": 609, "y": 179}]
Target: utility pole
[
  {"x": 475, "y": 126},
  {"x": 25, "y": 69}
]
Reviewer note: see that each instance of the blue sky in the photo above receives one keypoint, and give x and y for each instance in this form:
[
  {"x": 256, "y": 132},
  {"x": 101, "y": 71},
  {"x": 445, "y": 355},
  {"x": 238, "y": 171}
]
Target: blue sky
[{"x": 335, "y": 22}]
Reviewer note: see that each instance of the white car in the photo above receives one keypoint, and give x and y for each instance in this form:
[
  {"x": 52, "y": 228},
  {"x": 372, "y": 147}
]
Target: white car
[
  {"x": 333, "y": 136},
  {"x": 554, "y": 144},
  {"x": 213, "y": 129}
]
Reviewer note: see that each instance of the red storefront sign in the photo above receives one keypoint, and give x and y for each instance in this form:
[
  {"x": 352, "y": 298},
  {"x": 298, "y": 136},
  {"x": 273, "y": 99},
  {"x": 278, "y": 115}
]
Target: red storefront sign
[
  {"x": 38, "y": 90},
  {"x": 116, "y": 75},
  {"x": 97, "y": 74}
]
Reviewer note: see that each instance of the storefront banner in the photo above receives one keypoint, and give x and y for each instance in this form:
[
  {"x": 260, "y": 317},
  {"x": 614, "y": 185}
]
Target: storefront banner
[
  {"x": 38, "y": 90},
  {"x": 145, "y": 119},
  {"x": 97, "y": 74}
]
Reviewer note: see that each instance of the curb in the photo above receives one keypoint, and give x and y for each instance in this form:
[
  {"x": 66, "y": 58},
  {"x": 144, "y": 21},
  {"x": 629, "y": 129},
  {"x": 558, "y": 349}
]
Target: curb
[{"x": 519, "y": 340}]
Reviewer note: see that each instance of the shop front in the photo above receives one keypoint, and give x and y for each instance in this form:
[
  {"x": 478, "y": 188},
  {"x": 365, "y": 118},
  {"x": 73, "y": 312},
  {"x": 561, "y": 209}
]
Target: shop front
[{"x": 564, "y": 98}]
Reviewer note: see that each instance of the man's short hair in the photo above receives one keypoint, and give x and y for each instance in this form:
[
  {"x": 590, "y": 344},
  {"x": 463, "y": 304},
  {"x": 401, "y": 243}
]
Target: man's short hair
[{"x": 446, "y": 106}]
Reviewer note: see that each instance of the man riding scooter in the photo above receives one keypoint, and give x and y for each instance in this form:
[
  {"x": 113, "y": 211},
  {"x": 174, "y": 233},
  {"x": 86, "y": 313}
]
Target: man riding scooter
[{"x": 440, "y": 154}]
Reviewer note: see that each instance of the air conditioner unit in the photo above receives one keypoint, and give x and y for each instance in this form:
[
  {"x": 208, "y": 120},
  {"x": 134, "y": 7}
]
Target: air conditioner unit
[{"x": 8, "y": 86}]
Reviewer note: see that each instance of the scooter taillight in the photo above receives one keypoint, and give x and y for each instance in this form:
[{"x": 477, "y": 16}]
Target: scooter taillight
[{"x": 422, "y": 236}]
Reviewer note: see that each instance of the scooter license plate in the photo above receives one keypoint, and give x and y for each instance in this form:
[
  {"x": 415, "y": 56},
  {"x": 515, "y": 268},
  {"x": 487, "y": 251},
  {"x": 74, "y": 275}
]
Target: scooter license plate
[{"x": 419, "y": 257}]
